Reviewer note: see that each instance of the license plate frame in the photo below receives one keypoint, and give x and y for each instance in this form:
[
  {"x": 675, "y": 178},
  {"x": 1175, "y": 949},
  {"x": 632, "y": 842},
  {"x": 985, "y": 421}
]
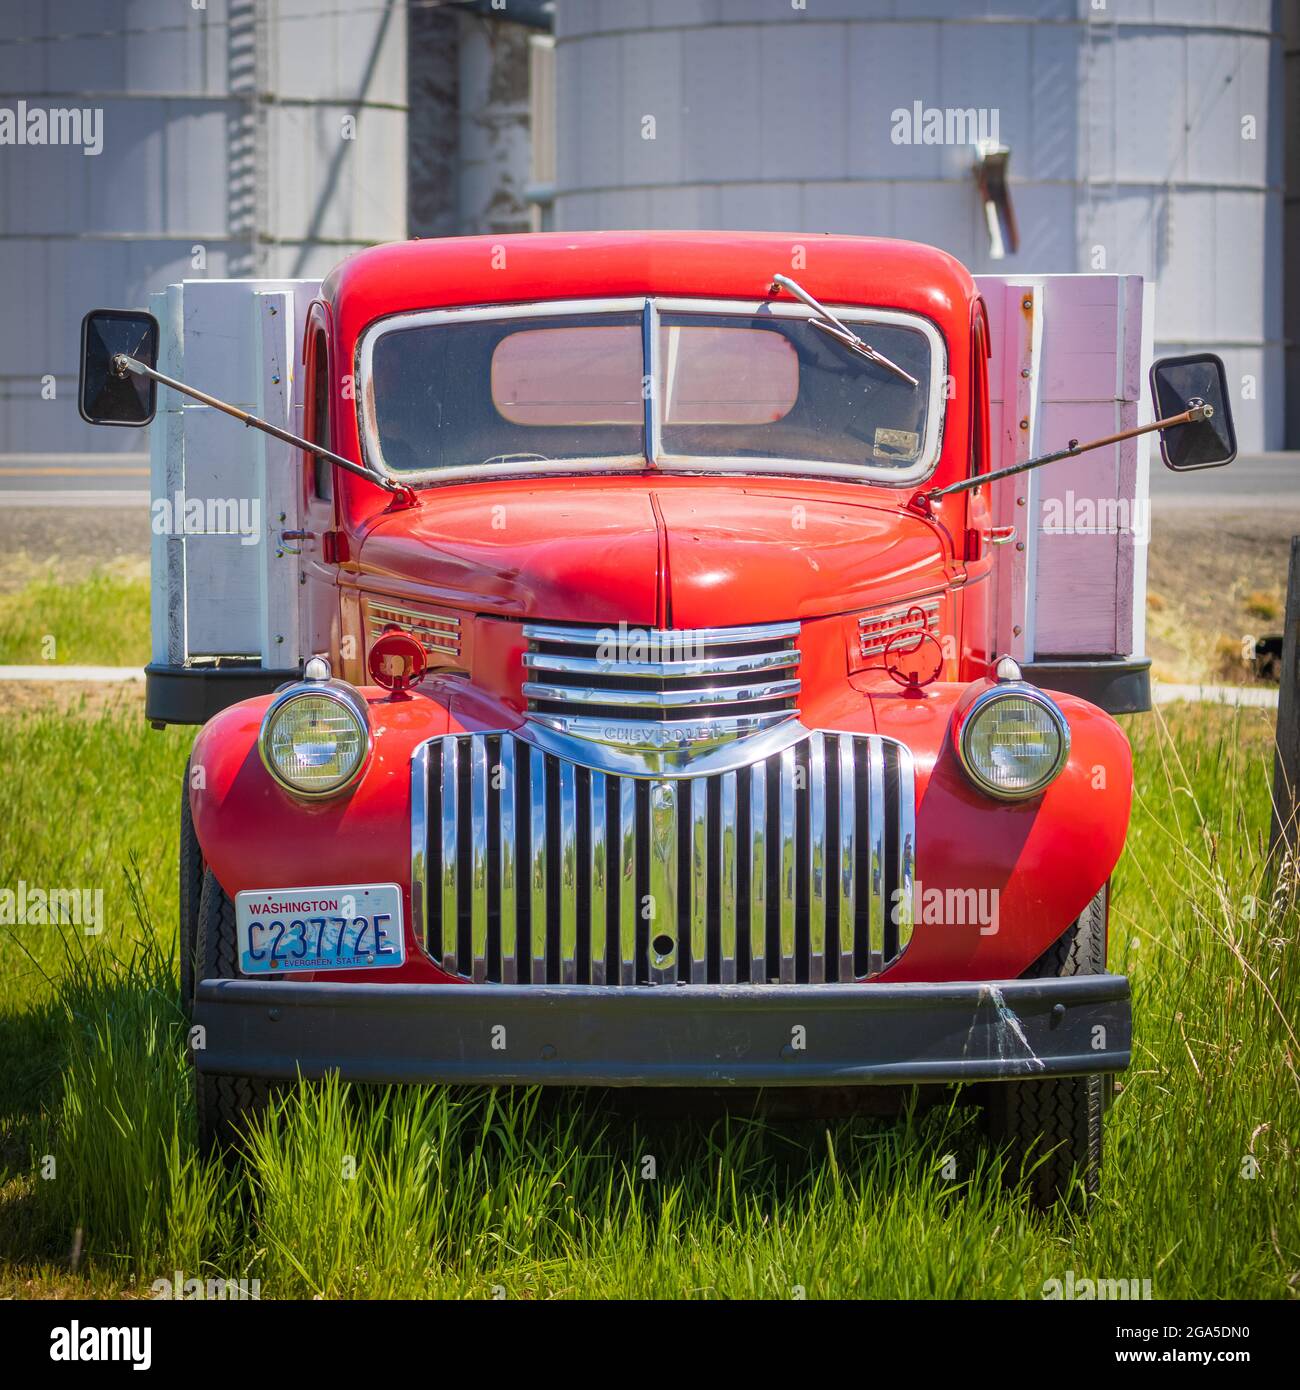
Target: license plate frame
[{"x": 333, "y": 930}]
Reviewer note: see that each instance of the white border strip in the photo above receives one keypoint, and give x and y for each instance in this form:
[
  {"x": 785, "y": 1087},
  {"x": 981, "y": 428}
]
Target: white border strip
[{"x": 83, "y": 675}]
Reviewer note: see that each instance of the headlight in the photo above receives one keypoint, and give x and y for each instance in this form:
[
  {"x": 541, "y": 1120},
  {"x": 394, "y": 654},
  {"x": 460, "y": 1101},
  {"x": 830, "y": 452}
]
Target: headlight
[
  {"x": 1013, "y": 742},
  {"x": 314, "y": 739}
]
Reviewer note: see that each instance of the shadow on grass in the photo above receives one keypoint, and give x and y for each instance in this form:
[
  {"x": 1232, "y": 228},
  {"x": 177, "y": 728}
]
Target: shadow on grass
[{"x": 391, "y": 1191}]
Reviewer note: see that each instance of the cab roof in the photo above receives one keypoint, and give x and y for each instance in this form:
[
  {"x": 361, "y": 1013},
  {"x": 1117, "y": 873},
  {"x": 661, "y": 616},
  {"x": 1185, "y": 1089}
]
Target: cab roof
[{"x": 454, "y": 271}]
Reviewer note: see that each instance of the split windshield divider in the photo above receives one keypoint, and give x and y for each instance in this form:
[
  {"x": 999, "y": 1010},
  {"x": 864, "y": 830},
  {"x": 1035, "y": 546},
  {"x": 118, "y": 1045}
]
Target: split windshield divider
[{"x": 650, "y": 380}]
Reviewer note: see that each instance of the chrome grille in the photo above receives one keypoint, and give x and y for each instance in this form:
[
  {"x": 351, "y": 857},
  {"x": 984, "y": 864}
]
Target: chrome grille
[
  {"x": 528, "y": 867},
  {"x": 877, "y": 627},
  {"x": 699, "y": 684},
  {"x": 436, "y": 632}
]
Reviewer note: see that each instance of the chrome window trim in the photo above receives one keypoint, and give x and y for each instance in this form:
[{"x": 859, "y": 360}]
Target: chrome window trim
[
  {"x": 932, "y": 446},
  {"x": 650, "y": 379},
  {"x": 419, "y": 318},
  {"x": 343, "y": 695},
  {"x": 1002, "y": 691},
  {"x": 651, "y": 307}
]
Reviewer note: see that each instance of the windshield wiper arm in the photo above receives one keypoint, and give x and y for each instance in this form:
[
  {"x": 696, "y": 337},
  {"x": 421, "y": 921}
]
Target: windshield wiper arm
[{"x": 840, "y": 331}]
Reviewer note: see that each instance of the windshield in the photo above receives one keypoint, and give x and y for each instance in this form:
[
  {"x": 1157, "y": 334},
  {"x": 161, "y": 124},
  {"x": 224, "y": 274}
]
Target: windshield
[{"x": 451, "y": 394}]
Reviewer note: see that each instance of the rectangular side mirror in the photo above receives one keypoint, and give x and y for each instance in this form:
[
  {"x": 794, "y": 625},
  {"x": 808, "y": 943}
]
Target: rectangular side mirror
[
  {"x": 106, "y": 396},
  {"x": 1177, "y": 384}
]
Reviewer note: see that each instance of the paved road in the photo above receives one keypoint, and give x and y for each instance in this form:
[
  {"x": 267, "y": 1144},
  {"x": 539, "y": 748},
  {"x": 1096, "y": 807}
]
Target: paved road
[
  {"x": 1249, "y": 482},
  {"x": 38, "y": 479},
  {"x": 1252, "y": 481},
  {"x": 62, "y": 498}
]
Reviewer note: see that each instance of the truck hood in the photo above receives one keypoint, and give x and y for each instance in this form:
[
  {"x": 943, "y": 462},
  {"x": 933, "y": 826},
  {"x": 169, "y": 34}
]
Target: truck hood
[{"x": 664, "y": 555}]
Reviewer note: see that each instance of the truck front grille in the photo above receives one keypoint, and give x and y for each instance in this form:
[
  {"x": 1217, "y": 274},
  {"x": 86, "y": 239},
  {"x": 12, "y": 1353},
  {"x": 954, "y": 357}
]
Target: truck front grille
[
  {"x": 531, "y": 868},
  {"x": 661, "y": 685}
]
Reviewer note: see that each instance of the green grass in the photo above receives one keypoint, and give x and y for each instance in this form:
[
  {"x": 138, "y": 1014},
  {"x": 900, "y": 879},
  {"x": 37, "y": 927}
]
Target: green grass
[
  {"x": 487, "y": 1194},
  {"x": 101, "y": 621}
]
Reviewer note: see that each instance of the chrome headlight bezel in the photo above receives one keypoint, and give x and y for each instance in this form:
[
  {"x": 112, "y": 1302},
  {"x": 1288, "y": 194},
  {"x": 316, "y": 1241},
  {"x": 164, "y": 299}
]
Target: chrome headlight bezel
[
  {"x": 347, "y": 699},
  {"x": 1005, "y": 690}
]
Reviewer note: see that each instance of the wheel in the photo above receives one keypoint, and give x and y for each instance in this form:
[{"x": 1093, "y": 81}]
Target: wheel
[
  {"x": 191, "y": 891},
  {"x": 225, "y": 1103},
  {"x": 1054, "y": 1127}
]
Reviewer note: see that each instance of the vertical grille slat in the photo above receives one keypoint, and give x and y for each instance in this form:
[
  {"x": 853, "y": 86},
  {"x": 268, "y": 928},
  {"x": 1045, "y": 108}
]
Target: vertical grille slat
[
  {"x": 889, "y": 858},
  {"x": 564, "y": 969},
  {"x": 537, "y": 868},
  {"x": 663, "y": 798},
  {"x": 727, "y": 908},
  {"x": 478, "y": 875},
  {"x": 785, "y": 885},
  {"x": 450, "y": 854},
  {"x": 848, "y": 858},
  {"x": 628, "y": 901},
  {"x": 598, "y": 869},
  {"x": 699, "y": 907},
  {"x": 758, "y": 876},
  {"x": 508, "y": 944},
  {"x": 817, "y": 939},
  {"x": 876, "y": 827},
  {"x": 797, "y": 868},
  {"x": 906, "y": 829}
]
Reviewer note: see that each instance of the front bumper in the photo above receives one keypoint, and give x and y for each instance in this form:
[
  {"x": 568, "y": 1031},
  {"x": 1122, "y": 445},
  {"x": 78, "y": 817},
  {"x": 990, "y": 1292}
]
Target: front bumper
[{"x": 698, "y": 1035}]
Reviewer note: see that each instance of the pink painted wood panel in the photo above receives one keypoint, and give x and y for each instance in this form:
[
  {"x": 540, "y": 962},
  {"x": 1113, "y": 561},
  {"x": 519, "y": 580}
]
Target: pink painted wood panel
[{"x": 1087, "y": 382}]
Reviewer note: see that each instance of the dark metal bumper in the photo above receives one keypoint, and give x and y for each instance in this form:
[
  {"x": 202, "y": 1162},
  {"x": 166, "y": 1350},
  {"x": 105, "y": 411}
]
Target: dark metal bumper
[
  {"x": 1116, "y": 684},
  {"x": 699, "y": 1035},
  {"x": 193, "y": 694}
]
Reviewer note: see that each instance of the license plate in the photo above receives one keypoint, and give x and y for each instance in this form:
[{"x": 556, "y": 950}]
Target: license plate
[{"x": 353, "y": 927}]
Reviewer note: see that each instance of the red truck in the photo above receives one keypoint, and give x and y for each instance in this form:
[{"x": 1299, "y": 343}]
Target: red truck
[{"x": 649, "y": 717}]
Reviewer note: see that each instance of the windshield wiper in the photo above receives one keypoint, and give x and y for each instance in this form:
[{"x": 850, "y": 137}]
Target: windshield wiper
[{"x": 841, "y": 332}]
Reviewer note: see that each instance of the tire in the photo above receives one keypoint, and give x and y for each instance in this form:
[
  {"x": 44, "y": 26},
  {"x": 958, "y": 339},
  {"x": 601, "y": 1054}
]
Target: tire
[
  {"x": 1054, "y": 1128},
  {"x": 191, "y": 892},
  {"x": 225, "y": 1104}
]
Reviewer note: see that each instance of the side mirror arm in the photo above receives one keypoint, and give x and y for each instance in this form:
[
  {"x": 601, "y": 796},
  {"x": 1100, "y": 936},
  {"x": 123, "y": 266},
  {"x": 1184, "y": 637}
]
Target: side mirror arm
[
  {"x": 1196, "y": 412},
  {"x": 406, "y": 496}
]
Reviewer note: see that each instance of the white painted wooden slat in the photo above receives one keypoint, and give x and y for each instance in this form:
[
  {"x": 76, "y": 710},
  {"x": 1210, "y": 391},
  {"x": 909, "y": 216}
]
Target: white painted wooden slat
[
  {"x": 166, "y": 476},
  {"x": 276, "y": 331},
  {"x": 219, "y": 588},
  {"x": 1074, "y": 366},
  {"x": 224, "y": 595},
  {"x": 218, "y": 349}
]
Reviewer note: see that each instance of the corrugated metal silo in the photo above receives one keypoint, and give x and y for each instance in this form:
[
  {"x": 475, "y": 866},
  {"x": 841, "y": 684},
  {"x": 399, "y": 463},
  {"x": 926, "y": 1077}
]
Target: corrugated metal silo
[
  {"x": 1145, "y": 136},
  {"x": 226, "y": 151}
]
